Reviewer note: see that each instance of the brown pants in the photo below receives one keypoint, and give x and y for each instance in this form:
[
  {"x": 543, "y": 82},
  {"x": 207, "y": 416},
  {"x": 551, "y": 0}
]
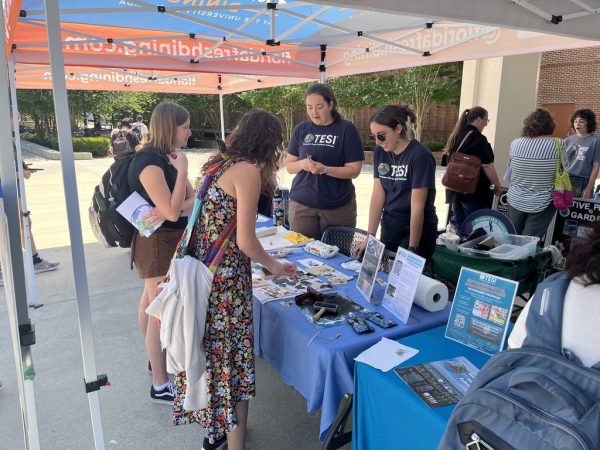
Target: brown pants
[{"x": 312, "y": 222}]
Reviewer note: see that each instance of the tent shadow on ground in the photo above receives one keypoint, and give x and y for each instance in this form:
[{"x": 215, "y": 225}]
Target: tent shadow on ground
[{"x": 278, "y": 417}]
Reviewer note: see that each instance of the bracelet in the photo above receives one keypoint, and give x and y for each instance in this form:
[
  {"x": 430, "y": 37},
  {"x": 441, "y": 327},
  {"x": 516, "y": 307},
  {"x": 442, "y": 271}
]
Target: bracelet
[
  {"x": 412, "y": 248},
  {"x": 325, "y": 171}
]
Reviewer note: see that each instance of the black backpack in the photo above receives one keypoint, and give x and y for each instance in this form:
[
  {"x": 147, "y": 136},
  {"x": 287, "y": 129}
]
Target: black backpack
[
  {"x": 120, "y": 143},
  {"x": 109, "y": 226}
]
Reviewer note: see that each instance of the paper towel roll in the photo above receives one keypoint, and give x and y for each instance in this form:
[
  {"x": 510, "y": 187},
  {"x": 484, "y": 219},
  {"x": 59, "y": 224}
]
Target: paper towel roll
[{"x": 431, "y": 295}]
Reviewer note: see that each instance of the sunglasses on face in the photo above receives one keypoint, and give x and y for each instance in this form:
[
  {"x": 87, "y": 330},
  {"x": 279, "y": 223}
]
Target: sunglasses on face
[{"x": 378, "y": 136}]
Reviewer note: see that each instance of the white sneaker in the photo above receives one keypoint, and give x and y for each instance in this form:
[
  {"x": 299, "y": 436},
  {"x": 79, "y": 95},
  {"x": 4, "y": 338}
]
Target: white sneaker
[{"x": 44, "y": 266}]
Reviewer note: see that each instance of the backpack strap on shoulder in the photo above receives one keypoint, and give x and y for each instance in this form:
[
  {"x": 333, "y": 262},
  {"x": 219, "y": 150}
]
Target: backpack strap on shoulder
[{"x": 545, "y": 318}]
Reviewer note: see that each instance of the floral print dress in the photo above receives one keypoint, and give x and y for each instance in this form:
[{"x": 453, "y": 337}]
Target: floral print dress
[{"x": 229, "y": 334}]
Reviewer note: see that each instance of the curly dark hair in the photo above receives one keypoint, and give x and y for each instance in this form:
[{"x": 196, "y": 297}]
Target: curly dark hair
[
  {"x": 257, "y": 138},
  {"x": 584, "y": 258},
  {"x": 539, "y": 122},
  {"x": 392, "y": 115},
  {"x": 587, "y": 115}
]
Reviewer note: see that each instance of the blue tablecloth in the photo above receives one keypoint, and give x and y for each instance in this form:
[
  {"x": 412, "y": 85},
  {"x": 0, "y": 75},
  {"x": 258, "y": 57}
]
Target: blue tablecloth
[
  {"x": 323, "y": 371},
  {"x": 387, "y": 414}
]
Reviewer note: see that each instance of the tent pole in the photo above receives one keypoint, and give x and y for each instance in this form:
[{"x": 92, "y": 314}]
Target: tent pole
[
  {"x": 323, "y": 66},
  {"x": 221, "y": 113},
  {"x": 63, "y": 125},
  {"x": 28, "y": 261},
  {"x": 11, "y": 254}
]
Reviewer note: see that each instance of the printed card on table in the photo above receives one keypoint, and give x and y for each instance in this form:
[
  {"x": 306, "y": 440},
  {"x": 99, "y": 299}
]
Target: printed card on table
[
  {"x": 138, "y": 211},
  {"x": 370, "y": 266},
  {"x": 402, "y": 283}
]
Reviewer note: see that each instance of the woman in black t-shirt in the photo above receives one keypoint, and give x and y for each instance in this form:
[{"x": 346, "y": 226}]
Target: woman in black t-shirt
[
  {"x": 467, "y": 138},
  {"x": 325, "y": 153},
  {"x": 404, "y": 186},
  {"x": 158, "y": 173}
]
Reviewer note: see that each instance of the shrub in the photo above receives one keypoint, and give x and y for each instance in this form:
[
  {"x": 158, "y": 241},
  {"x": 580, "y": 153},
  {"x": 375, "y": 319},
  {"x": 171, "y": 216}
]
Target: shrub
[
  {"x": 435, "y": 146},
  {"x": 97, "y": 146}
]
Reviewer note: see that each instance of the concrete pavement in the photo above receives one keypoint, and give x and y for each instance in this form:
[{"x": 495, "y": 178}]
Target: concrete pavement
[{"x": 278, "y": 418}]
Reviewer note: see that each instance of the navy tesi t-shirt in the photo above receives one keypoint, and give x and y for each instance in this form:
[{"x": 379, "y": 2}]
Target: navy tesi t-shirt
[
  {"x": 333, "y": 145},
  {"x": 414, "y": 168}
]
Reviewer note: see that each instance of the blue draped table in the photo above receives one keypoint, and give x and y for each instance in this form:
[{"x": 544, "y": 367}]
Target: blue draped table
[
  {"x": 387, "y": 414},
  {"x": 321, "y": 370}
]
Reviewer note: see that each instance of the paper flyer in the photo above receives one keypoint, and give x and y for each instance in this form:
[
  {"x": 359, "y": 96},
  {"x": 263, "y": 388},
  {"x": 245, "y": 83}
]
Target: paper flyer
[
  {"x": 439, "y": 383},
  {"x": 370, "y": 266},
  {"x": 480, "y": 311},
  {"x": 402, "y": 283},
  {"x": 136, "y": 210}
]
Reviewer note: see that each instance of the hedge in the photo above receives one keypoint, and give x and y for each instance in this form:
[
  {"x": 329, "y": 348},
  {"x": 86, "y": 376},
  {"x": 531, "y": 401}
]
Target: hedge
[
  {"x": 97, "y": 146},
  {"x": 435, "y": 146}
]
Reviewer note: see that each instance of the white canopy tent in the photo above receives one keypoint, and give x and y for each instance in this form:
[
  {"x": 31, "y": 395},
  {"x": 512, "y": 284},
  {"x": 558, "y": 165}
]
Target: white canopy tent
[{"x": 251, "y": 40}]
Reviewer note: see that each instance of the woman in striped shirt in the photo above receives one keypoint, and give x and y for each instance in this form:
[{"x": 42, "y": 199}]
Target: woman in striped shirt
[{"x": 532, "y": 168}]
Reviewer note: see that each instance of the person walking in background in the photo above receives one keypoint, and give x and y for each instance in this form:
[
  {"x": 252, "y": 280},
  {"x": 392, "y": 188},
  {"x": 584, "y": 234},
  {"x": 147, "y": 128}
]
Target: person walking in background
[
  {"x": 403, "y": 195},
  {"x": 123, "y": 140},
  {"x": 325, "y": 153},
  {"x": 159, "y": 173},
  {"x": 247, "y": 165},
  {"x": 467, "y": 138},
  {"x": 140, "y": 129},
  {"x": 532, "y": 169},
  {"x": 582, "y": 152}
]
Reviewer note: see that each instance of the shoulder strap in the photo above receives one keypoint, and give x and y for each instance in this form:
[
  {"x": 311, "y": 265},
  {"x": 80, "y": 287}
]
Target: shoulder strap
[
  {"x": 560, "y": 164},
  {"x": 215, "y": 253},
  {"x": 463, "y": 141},
  {"x": 545, "y": 318}
]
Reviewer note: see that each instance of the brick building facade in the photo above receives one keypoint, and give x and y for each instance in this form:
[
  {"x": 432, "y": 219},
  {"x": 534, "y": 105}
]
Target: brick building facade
[{"x": 568, "y": 81}]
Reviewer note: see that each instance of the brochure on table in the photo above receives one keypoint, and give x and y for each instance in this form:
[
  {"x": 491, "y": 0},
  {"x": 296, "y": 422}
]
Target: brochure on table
[
  {"x": 402, "y": 283},
  {"x": 370, "y": 266},
  {"x": 137, "y": 211},
  {"x": 439, "y": 383},
  {"x": 480, "y": 311}
]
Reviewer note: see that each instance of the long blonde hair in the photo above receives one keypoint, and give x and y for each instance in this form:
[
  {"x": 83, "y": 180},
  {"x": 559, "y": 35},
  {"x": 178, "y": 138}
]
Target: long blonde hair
[{"x": 165, "y": 119}]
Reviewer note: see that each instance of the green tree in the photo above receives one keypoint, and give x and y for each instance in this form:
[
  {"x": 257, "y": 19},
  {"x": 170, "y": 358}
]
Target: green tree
[
  {"x": 282, "y": 100},
  {"x": 354, "y": 92},
  {"x": 37, "y": 105},
  {"x": 421, "y": 87}
]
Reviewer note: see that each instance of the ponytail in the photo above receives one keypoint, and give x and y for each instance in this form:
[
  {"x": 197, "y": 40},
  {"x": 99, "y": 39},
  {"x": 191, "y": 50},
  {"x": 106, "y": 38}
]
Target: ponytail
[{"x": 468, "y": 116}]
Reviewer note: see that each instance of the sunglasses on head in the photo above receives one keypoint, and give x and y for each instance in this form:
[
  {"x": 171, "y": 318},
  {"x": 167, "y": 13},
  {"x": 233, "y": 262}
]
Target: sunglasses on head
[{"x": 378, "y": 136}]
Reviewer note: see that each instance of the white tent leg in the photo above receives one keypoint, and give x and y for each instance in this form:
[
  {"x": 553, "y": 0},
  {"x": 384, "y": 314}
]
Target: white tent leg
[
  {"x": 70, "y": 187},
  {"x": 11, "y": 254},
  {"x": 221, "y": 113},
  {"x": 28, "y": 257}
]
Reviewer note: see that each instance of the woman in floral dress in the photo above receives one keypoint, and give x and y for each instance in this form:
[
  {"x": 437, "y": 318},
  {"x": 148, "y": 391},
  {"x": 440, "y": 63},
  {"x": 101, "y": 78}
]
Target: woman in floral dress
[{"x": 247, "y": 167}]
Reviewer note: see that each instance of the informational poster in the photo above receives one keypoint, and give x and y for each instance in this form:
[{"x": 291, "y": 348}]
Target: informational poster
[
  {"x": 481, "y": 310},
  {"x": 369, "y": 267},
  {"x": 574, "y": 223},
  {"x": 402, "y": 283}
]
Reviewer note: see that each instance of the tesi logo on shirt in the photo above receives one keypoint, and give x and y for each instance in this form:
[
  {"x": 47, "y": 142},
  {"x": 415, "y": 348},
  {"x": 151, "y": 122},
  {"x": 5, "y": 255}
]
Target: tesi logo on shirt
[
  {"x": 391, "y": 171},
  {"x": 320, "y": 139}
]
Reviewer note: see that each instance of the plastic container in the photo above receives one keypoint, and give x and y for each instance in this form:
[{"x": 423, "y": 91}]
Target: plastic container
[{"x": 508, "y": 246}]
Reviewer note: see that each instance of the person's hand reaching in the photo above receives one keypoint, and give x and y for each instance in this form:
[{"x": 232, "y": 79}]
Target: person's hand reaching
[{"x": 283, "y": 269}]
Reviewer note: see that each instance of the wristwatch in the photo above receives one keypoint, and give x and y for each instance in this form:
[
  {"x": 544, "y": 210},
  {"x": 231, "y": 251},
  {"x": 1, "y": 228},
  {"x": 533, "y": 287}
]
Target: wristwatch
[{"x": 412, "y": 248}]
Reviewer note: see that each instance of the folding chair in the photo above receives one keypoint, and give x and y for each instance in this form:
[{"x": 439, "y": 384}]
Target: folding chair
[{"x": 346, "y": 239}]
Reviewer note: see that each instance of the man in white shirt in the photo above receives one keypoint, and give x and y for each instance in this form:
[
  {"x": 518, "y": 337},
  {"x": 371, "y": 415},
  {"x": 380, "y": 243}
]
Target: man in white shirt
[{"x": 139, "y": 128}]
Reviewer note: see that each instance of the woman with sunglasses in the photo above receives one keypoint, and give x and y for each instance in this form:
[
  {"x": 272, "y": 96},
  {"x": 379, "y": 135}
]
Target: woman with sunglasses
[
  {"x": 404, "y": 186},
  {"x": 467, "y": 138},
  {"x": 325, "y": 153}
]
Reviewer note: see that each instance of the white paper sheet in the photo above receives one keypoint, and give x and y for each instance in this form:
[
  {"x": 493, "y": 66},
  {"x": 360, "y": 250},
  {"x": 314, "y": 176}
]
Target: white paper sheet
[{"x": 386, "y": 354}]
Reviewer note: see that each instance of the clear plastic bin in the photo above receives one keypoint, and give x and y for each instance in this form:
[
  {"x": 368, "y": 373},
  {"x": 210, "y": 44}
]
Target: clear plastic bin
[{"x": 508, "y": 246}]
